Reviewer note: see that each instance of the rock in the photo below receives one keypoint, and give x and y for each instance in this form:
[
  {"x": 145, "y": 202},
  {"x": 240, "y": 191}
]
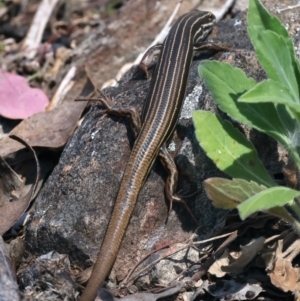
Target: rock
[{"x": 8, "y": 287}]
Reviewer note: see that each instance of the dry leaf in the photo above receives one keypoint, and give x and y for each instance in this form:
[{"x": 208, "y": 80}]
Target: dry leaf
[
  {"x": 233, "y": 222},
  {"x": 284, "y": 276},
  {"x": 10, "y": 183},
  {"x": 10, "y": 212},
  {"x": 47, "y": 129},
  {"x": 280, "y": 269},
  {"x": 216, "y": 267},
  {"x": 246, "y": 254}
]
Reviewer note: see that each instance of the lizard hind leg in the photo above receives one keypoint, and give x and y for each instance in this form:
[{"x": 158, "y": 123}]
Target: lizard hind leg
[
  {"x": 148, "y": 61},
  {"x": 84, "y": 276},
  {"x": 171, "y": 183}
]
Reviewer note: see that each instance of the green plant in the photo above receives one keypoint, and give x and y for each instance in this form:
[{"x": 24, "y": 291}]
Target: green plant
[{"x": 271, "y": 106}]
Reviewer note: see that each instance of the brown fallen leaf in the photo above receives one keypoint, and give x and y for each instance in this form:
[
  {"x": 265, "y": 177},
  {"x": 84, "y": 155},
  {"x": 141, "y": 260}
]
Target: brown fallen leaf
[
  {"x": 233, "y": 222},
  {"x": 297, "y": 295},
  {"x": 247, "y": 253},
  {"x": 10, "y": 212},
  {"x": 220, "y": 250},
  {"x": 10, "y": 183},
  {"x": 279, "y": 266},
  {"x": 46, "y": 129},
  {"x": 216, "y": 267}
]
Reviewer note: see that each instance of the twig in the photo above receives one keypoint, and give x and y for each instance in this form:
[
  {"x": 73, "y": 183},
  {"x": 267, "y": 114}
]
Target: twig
[
  {"x": 217, "y": 254},
  {"x": 189, "y": 243},
  {"x": 144, "y": 258},
  {"x": 188, "y": 268},
  {"x": 34, "y": 35},
  {"x": 161, "y": 36},
  {"x": 276, "y": 237},
  {"x": 212, "y": 239},
  {"x": 279, "y": 10},
  {"x": 159, "y": 39},
  {"x": 224, "y": 8},
  {"x": 63, "y": 89}
]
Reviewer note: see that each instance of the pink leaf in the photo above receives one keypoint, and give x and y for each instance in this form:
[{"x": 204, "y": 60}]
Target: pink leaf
[{"x": 17, "y": 99}]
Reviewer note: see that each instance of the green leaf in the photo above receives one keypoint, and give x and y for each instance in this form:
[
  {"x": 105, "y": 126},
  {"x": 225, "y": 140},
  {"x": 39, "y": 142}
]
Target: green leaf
[
  {"x": 228, "y": 83},
  {"x": 228, "y": 194},
  {"x": 270, "y": 91},
  {"x": 229, "y": 148},
  {"x": 260, "y": 20},
  {"x": 273, "y": 54},
  {"x": 272, "y": 197},
  {"x": 260, "y": 17}
]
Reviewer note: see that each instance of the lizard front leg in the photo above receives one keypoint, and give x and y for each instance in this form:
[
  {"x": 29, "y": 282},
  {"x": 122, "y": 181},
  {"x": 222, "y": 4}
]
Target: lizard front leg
[{"x": 120, "y": 110}]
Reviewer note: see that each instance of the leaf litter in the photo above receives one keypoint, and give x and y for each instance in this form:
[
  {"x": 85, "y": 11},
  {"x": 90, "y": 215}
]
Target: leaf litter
[{"x": 12, "y": 210}]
